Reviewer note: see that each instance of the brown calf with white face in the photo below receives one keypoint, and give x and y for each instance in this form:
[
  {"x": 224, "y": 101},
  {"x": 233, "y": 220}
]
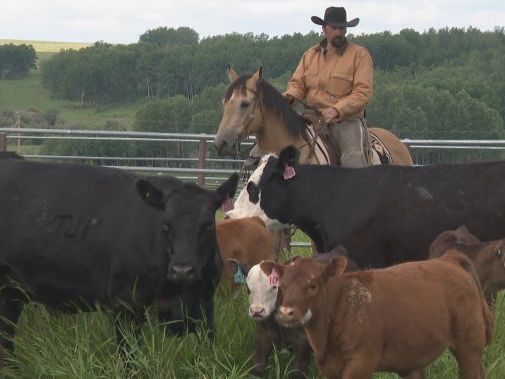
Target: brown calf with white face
[
  {"x": 397, "y": 319},
  {"x": 487, "y": 257}
]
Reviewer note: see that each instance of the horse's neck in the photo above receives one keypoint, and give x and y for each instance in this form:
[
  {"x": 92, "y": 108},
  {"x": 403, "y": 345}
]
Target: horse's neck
[{"x": 274, "y": 137}]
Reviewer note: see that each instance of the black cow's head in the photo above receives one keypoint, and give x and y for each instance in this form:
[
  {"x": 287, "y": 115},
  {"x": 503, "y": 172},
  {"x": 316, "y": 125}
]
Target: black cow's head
[
  {"x": 188, "y": 224},
  {"x": 272, "y": 191}
]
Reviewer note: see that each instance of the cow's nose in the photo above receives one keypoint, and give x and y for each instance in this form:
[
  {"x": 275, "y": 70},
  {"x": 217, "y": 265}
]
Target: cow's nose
[
  {"x": 182, "y": 272},
  {"x": 257, "y": 312},
  {"x": 286, "y": 314}
]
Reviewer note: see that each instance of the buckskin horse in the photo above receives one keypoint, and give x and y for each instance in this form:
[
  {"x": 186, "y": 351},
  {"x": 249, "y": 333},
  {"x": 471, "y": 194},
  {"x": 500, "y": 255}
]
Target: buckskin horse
[{"x": 252, "y": 106}]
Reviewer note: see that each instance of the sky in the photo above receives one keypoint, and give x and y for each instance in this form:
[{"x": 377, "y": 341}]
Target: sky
[{"x": 123, "y": 21}]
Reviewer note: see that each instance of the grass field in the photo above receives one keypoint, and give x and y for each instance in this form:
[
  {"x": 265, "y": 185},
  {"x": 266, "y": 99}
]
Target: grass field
[
  {"x": 47, "y": 46},
  {"x": 83, "y": 346},
  {"x": 28, "y": 93},
  {"x": 45, "y": 49}
]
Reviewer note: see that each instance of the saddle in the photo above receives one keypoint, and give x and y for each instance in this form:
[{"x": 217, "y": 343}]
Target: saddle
[{"x": 371, "y": 143}]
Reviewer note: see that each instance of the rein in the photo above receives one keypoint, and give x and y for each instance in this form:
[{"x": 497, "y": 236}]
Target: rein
[
  {"x": 245, "y": 125},
  {"x": 311, "y": 142}
]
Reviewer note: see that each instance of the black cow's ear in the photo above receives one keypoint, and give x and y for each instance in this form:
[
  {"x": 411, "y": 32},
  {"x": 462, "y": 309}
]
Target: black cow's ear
[
  {"x": 150, "y": 194},
  {"x": 288, "y": 157},
  {"x": 227, "y": 190},
  {"x": 254, "y": 192}
]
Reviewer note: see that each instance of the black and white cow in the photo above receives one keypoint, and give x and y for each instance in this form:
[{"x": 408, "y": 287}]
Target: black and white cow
[
  {"x": 382, "y": 215},
  {"x": 74, "y": 236}
]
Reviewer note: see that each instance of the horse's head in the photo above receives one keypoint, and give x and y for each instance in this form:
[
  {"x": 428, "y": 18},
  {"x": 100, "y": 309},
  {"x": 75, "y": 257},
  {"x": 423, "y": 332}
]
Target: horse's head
[{"x": 242, "y": 115}]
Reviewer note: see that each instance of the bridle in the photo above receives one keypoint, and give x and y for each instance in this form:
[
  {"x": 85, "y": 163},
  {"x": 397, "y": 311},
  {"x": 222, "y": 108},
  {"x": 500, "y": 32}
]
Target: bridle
[{"x": 245, "y": 125}]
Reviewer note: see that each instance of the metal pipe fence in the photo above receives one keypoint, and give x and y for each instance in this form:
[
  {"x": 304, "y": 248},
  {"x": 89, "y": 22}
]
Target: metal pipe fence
[{"x": 200, "y": 165}]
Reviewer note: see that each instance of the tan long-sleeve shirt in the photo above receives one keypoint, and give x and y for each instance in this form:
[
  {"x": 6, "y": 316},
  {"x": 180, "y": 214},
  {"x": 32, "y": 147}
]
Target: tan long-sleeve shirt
[{"x": 343, "y": 82}]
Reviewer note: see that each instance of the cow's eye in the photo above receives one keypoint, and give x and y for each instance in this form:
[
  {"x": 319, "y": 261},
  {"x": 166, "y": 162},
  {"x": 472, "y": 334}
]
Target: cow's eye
[
  {"x": 166, "y": 228},
  {"x": 244, "y": 104},
  {"x": 499, "y": 253},
  {"x": 312, "y": 287}
]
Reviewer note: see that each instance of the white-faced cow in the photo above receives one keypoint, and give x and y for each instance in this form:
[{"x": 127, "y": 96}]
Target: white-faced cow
[
  {"x": 243, "y": 207},
  {"x": 382, "y": 215},
  {"x": 73, "y": 236},
  {"x": 263, "y": 290}
]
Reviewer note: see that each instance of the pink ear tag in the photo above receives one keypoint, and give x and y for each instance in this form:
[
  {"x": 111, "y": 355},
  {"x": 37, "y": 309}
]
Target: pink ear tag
[
  {"x": 289, "y": 172},
  {"x": 274, "y": 278},
  {"x": 228, "y": 205}
]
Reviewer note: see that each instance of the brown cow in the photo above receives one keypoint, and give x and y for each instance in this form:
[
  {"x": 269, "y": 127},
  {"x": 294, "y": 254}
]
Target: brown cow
[
  {"x": 396, "y": 319},
  {"x": 487, "y": 257},
  {"x": 244, "y": 240},
  {"x": 269, "y": 333}
]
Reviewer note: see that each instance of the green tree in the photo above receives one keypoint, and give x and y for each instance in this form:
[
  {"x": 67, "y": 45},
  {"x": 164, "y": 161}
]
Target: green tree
[{"x": 16, "y": 60}]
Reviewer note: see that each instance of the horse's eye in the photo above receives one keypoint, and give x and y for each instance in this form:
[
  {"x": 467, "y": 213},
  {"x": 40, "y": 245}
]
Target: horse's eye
[
  {"x": 245, "y": 103},
  {"x": 499, "y": 253}
]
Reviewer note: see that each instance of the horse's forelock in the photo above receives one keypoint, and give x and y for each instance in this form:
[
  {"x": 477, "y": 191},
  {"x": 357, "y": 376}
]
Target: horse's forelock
[{"x": 239, "y": 84}]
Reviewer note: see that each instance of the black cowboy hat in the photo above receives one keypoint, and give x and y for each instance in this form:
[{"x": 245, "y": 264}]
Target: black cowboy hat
[{"x": 335, "y": 16}]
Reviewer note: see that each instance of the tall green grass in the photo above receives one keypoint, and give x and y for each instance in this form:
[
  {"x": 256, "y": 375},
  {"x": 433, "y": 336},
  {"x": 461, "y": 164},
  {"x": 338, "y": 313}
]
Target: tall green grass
[{"x": 51, "y": 345}]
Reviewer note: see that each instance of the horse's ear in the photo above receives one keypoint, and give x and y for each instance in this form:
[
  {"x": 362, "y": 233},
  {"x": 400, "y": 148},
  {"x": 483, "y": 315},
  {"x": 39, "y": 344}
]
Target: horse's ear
[
  {"x": 256, "y": 78},
  {"x": 232, "y": 74}
]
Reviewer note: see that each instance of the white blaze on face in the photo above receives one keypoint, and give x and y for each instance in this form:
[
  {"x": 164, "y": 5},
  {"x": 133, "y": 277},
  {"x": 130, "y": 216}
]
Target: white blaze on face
[
  {"x": 263, "y": 291},
  {"x": 245, "y": 208}
]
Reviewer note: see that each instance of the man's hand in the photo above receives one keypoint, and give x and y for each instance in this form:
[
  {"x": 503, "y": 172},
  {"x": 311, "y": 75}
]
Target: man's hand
[
  {"x": 289, "y": 99},
  {"x": 329, "y": 114}
]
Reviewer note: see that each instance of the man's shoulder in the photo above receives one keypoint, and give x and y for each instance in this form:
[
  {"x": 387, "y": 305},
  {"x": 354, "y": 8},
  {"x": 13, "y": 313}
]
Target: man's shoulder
[
  {"x": 358, "y": 49},
  {"x": 314, "y": 49}
]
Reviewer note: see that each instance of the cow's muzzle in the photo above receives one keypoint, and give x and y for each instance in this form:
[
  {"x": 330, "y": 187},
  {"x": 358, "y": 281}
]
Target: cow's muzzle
[{"x": 182, "y": 273}]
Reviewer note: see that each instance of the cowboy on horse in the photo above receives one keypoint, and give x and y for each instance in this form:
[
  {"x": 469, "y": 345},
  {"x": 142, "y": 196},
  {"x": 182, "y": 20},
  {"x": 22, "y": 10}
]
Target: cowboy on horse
[{"x": 335, "y": 78}]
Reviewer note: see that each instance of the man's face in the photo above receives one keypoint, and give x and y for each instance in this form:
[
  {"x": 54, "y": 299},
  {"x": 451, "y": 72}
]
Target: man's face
[{"x": 335, "y": 34}]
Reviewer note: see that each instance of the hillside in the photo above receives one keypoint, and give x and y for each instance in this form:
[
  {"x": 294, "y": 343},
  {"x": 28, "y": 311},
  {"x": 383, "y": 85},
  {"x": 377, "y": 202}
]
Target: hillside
[{"x": 46, "y": 49}]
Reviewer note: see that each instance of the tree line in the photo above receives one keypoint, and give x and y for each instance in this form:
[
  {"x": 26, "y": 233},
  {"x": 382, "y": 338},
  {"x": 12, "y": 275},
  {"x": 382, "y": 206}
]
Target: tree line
[{"x": 16, "y": 61}]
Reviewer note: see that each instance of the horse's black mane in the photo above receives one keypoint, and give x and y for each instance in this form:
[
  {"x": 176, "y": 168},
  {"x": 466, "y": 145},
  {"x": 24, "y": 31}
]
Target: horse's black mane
[{"x": 273, "y": 101}]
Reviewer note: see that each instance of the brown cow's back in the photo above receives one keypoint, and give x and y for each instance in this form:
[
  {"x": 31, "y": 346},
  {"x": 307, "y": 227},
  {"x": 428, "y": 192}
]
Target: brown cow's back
[
  {"x": 449, "y": 280},
  {"x": 247, "y": 240},
  {"x": 488, "y": 258},
  {"x": 398, "y": 319}
]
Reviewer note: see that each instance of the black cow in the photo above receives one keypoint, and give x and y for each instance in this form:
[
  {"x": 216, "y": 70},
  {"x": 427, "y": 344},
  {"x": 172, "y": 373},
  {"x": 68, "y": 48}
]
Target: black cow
[
  {"x": 9, "y": 155},
  {"x": 384, "y": 214},
  {"x": 74, "y": 236}
]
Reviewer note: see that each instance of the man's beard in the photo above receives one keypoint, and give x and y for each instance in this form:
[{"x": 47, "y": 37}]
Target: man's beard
[{"x": 340, "y": 43}]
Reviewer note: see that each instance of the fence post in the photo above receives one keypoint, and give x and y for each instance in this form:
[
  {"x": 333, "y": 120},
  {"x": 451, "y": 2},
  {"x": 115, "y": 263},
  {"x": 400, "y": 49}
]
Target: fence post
[
  {"x": 3, "y": 142},
  {"x": 202, "y": 153}
]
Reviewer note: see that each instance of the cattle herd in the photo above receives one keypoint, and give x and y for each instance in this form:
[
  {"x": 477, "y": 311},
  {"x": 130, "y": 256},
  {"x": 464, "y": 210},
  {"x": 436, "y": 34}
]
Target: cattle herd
[{"x": 401, "y": 272}]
